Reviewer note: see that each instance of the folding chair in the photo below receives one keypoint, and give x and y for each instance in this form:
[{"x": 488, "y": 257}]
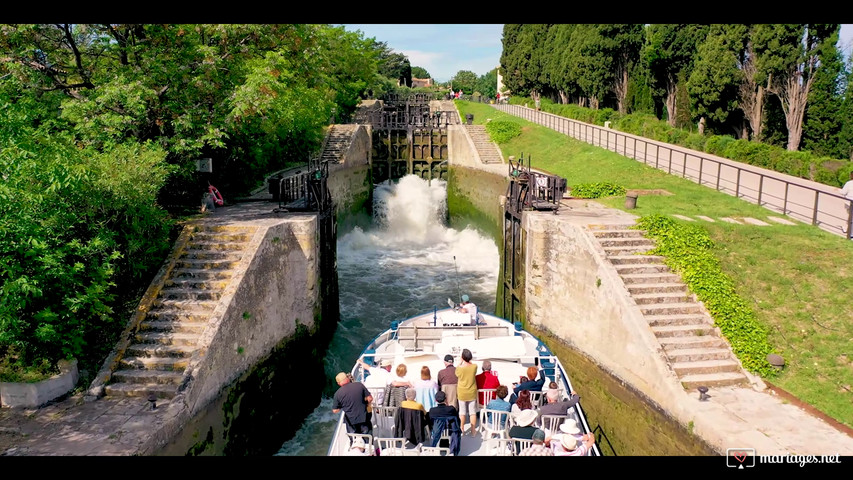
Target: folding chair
[
  {"x": 519, "y": 444},
  {"x": 383, "y": 418}
]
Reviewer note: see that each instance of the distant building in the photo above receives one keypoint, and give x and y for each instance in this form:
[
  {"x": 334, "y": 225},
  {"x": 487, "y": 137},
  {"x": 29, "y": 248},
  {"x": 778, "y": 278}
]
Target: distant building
[{"x": 421, "y": 82}]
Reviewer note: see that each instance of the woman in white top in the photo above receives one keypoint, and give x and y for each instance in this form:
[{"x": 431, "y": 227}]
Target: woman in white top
[{"x": 426, "y": 388}]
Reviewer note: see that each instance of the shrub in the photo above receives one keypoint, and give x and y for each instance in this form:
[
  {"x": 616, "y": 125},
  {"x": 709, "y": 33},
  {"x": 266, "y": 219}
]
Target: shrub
[
  {"x": 502, "y": 131},
  {"x": 688, "y": 251},
  {"x": 597, "y": 190}
]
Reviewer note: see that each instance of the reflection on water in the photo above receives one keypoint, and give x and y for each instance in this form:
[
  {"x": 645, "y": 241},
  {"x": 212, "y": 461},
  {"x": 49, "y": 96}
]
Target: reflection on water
[{"x": 406, "y": 263}]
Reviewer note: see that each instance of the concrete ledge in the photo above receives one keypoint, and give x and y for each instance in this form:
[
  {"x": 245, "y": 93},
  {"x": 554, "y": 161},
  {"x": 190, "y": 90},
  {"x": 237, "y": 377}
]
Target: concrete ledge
[{"x": 33, "y": 395}]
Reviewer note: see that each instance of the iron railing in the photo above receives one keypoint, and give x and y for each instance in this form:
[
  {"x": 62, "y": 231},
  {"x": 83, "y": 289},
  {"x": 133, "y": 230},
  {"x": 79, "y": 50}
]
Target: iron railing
[{"x": 781, "y": 193}]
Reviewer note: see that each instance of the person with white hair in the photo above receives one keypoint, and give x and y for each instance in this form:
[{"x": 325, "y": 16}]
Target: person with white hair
[
  {"x": 570, "y": 442},
  {"x": 557, "y": 407}
]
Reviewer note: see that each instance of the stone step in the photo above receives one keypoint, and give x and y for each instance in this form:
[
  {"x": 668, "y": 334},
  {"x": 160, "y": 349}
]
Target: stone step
[
  {"x": 196, "y": 283},
  {"x": 156, "y": 377},
  {"x": 679, "y": 343},
  {"x": 229, "y": 255},
  {"x": 171, "y": 364},
  {"x": 196, "y": 264},
  {"x": 626, "y": 250},
  {"x": 650, "y": 278},
  {"x": 723, "y": 379},
  {"x": 656, "y": 288},
  {"x": 200, "y": 273},
  {"x": 698, "y": 330},
  {"x": 659, "y": 298},
  {"x": 194, "y": 306},
  {"x": 221, "y": 237},
  {"x": 634, "y": 268},
  {"x": 216, "y": 245},
  {"x": 154, "y": 350},
  {"x": 167, "y": 338},
  {"x": 189, "y": 294},
  {"x": 195, "y": 327},
  {"x": 172, "y": 313},
  {"x": 224, "y": 229},
  {"x": 141, "y": 390},
  {"x": 685, "y": 319},
  {"x": 705, "y": 366},
  {"x": 698, "y": 354},
  {"x": 627, "y": 242},
  {"x": 633, "y": 259},
  {"x": 619, "y": 233},
  {"x": 671, "y": 309}
]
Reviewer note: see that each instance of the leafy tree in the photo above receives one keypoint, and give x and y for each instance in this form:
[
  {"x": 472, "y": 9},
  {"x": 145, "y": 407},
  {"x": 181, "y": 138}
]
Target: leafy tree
[
  {"x": 714, "y": 82},
  {"x": 420, "y": 72},
  {"x": 822, "y": 120},
  {"x": 487, "y": 84},
  {"x": 846, "y": 113},
  {"x": 789, "y": 54},
  {"x": 621, "y": 44},
  {"x": 465, "y": 80},
  {"x": 393, "y": 65},
  {"x": 669, "y": 52}
]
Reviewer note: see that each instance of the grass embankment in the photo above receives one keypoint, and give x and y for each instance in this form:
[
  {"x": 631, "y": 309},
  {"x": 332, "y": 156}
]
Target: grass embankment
[{"x": 796, "y": 279}]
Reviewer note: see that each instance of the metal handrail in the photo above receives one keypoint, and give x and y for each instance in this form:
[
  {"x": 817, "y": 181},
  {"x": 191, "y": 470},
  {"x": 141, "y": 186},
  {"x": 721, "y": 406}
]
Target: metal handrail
[{"x": 764, "y": 195}]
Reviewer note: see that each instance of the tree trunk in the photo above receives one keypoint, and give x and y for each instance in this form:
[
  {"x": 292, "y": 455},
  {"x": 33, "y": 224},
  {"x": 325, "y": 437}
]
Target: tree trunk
[
  {"x": 751, "y": 97},
  {"x": 620, "y": 87},
  {"x": 593, "y": 103},
  {"x": 793, "y": 93},
  {"x": 671, "y": 103},
  {"x": 564, "y": 99}
]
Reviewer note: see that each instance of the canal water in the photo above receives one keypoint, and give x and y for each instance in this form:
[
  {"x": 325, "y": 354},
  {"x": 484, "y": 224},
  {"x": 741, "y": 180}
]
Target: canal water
[{"x": 407, "y": 261}]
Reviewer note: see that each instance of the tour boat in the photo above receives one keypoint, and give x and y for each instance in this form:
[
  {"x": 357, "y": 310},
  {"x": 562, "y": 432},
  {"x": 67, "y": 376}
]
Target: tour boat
[{"x": 425, "y": 339}]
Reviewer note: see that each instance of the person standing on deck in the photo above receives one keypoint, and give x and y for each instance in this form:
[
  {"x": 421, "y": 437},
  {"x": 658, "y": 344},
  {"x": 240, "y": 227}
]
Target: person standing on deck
[
  {"x": 486, "y": 380},
  {"x": 466, "y": 390},
  {"x": 352, "y": 398},
  {"x": 470, "y": 308},
  {"x": 447, "y": 381}
]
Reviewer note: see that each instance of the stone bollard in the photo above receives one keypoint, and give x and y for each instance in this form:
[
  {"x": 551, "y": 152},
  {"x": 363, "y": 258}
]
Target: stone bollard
[{"x": 631, "y": 201}]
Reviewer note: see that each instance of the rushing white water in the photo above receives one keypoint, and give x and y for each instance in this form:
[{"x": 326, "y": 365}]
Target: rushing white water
[{"x": 406, "y": 263}]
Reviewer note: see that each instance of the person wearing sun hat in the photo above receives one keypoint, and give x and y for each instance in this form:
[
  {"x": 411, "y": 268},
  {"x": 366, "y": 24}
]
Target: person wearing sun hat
[
  {"x": 358, "y": 448},
  {"x": 570, "y": 442},
  {"x": 524, "y": 425}
]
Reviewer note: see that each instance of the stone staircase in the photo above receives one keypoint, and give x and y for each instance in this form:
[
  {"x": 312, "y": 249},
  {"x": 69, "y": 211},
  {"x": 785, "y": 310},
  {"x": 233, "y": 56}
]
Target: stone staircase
[
  {"x": 486, "y": 148},
  {"x": 696, "y": 352},
  {"x": 165, "y": 340},
  {"x": 337, "y": 142}
]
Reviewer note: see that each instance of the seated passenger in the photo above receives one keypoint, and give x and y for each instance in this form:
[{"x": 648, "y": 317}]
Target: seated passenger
[
  {"x": 470, "y": 308},
  {"x": 500, "y": 403},
  {"x": 441, "y": 417},
  {"x": 411, "y": 420}
]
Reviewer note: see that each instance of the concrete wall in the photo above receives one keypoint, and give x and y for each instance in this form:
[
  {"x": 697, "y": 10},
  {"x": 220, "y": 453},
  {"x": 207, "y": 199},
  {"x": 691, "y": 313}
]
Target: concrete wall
[
  {"x": 274, "y": 291},
  {"x": 350, "y": 182},
  {"x": 575, "y": 293},
  {"x": 33, "y": 395}
]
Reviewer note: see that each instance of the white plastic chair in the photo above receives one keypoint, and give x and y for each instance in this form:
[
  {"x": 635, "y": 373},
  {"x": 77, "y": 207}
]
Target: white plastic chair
[
  {"x": 488, "y": 396},
  {"x": 519, "y": 444},
  {"x": 536, "y": 399},
  {"x": 499, "y": 447},
  {"x": 435, "y": 451},
  {"x": 391, "y": 447},
  {"x": 383, "y": 418},
  {"x": 366, "y": 438},
  {"x": 551, "y": 423},
  {"x": 494, "y": 422}
]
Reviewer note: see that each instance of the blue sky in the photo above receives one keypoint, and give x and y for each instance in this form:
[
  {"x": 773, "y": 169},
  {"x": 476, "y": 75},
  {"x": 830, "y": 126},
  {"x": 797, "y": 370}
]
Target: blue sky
[{"x": 445, "y": 49}]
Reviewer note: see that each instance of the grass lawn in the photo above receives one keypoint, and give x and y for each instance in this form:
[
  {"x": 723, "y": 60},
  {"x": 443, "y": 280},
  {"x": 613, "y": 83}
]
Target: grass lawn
[{"x": 798, "y": 279}]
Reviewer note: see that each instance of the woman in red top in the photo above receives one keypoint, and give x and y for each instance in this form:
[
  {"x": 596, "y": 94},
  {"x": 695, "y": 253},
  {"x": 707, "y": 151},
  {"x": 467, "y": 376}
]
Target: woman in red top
[{"x": 486, "y": 380}]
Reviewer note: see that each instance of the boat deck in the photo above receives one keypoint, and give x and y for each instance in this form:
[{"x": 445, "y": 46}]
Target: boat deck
[{"x": 424, "y": 340}]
